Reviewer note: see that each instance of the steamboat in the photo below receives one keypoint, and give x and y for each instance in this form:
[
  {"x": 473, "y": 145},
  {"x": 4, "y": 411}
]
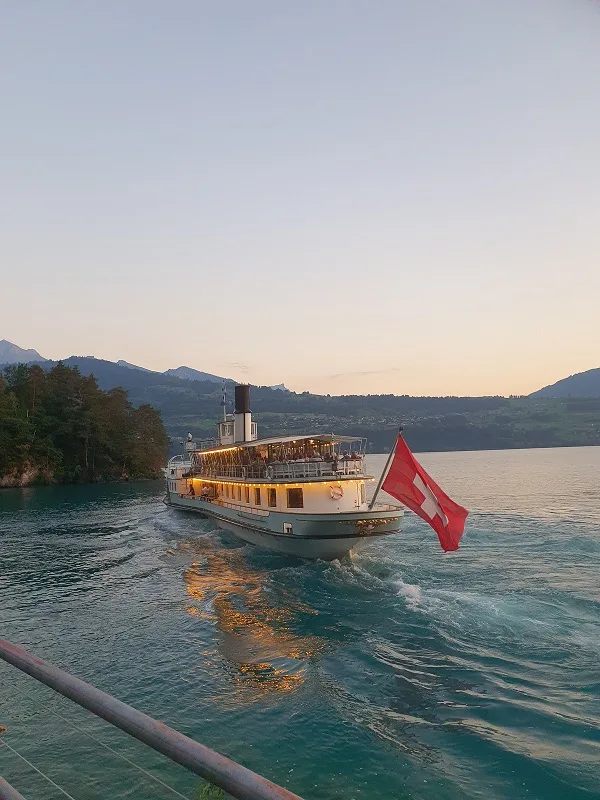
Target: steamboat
[{"x": 301, "y": 495}]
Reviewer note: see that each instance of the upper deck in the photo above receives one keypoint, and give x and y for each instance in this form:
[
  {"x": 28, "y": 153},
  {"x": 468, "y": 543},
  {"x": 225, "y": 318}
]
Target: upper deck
[
  {"x": 283, "y": 471},
  {"x": 300, "y": 458}
]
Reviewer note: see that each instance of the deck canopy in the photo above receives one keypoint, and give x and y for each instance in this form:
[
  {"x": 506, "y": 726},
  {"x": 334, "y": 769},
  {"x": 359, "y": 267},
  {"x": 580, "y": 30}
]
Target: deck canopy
[{"x": 318, "y": 438}]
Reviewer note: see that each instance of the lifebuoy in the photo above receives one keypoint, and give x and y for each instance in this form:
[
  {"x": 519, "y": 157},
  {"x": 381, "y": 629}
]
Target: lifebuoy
[
  {"x": 336, "y": 492},
  {"x": 270, "y": 473}
]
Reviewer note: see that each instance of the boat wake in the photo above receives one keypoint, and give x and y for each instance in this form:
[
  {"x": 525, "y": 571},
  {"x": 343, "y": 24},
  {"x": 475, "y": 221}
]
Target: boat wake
[{"x": 411, "y": 592}]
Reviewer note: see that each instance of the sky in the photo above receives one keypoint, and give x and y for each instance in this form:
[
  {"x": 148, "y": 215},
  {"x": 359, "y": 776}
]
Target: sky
[{"x": 347, "y": 196}]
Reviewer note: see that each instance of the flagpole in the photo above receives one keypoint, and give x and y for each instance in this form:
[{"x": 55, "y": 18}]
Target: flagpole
[{"x": 385, "y": 470}]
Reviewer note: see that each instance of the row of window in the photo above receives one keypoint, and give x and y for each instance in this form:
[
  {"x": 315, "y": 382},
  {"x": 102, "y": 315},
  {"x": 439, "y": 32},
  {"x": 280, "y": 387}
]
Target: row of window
[{"x": 295, "y": 497}]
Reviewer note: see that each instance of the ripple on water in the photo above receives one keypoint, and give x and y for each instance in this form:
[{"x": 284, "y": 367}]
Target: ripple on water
[{"x": 402, "y": 672}]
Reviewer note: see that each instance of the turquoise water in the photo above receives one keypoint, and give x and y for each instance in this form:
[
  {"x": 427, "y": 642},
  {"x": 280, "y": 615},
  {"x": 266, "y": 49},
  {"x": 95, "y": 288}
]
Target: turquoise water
[{"x": 405, "y": 673}]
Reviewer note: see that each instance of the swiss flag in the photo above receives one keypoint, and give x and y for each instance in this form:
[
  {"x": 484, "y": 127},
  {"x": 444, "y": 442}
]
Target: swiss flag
[{"x": 408, "y": 482}]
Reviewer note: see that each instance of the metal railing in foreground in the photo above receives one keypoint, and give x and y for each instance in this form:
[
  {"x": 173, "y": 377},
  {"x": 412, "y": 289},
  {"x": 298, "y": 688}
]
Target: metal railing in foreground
[
  {"x": 7, "y": 792},
  {"x": 210, "y": 765}
]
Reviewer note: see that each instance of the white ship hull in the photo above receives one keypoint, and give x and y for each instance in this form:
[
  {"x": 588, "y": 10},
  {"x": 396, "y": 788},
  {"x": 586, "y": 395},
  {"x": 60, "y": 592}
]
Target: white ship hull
[
  {"x": 325, "y": 549},
  {"x": 312, "y": 536}
]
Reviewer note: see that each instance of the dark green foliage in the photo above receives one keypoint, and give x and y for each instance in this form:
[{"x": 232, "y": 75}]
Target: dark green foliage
[
  {"x": 430, "y": 423},
  {"x": 58, "y": 426}
]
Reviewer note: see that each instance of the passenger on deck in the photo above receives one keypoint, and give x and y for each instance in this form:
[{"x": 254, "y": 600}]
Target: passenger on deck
[{"x": 191, "y": 491}]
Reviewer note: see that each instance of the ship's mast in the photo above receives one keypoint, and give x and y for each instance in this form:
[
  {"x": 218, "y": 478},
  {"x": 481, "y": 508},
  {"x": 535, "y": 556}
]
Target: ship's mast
[{"x": 385, "y": 471}]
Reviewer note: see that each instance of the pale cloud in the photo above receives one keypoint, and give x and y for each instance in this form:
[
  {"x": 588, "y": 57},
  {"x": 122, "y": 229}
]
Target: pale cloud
[
  {"x": 240, "y": 367},
  {"x": 361, "y": 373}
]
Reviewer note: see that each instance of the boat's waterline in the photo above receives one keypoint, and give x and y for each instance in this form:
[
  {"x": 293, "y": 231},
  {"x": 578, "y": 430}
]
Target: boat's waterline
[{"x": 314, "y": 536}]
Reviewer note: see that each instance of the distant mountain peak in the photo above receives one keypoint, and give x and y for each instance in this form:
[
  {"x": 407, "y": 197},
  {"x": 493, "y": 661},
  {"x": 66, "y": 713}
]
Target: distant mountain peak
[
  {"x": 13, "y": 354},
  {"x": 582, "y": 384},
  {"x": 122, "y": 363},
  {"x": 190, "y": 374}
]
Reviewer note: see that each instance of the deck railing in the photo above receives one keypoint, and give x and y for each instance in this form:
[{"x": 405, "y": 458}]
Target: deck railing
[
  {"x": 204, "y": 444},
  {"x": 215, "y": 768},
  {"x": 282, "y": 470}
]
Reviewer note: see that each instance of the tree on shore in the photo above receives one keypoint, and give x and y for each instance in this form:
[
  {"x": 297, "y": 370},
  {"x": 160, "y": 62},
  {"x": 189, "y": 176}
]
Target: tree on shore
[{"x": 62, "y": 427}]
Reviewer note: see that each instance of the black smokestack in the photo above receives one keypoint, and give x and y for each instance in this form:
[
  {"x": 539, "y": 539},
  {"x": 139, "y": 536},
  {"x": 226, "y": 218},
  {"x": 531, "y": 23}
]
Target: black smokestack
[{"x": 242, "y": 399}]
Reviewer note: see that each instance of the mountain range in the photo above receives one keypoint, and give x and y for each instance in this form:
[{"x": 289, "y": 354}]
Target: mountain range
[
  {"x": 13, "y": 354},
  {"x": 581, "y": 384},
  {"x": 193, "y": 404}
]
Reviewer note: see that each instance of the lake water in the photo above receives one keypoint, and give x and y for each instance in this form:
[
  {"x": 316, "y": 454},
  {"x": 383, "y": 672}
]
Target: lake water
[{"x": 404, "y": 673}]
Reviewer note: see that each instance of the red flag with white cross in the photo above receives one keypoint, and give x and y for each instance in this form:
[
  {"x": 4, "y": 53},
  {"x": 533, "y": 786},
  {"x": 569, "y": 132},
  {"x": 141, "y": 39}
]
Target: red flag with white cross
[{"x": 408, "y": 482}]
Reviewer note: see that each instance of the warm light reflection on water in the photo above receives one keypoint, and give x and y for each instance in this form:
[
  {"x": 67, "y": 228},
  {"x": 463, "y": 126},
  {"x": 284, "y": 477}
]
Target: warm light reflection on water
[{"x": 255, "y": 636}]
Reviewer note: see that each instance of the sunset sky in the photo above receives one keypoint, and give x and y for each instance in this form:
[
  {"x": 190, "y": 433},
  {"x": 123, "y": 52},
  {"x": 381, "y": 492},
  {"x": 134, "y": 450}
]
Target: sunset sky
[{"x": 349, "y": 197}]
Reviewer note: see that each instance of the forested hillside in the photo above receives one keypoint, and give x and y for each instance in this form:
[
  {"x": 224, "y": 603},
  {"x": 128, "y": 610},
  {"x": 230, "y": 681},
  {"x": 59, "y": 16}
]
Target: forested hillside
[
  {"x": 58, "y": 426},
  {"x": 430, "y": 423}
]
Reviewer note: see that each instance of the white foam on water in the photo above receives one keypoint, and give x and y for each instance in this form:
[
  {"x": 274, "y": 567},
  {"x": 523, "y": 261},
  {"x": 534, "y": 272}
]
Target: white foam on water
[{"x": 411, "y": 593}]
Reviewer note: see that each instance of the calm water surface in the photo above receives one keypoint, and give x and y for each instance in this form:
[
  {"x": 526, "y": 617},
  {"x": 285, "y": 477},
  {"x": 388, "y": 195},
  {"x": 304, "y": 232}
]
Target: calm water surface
[{"x": 404, "y": 673}]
